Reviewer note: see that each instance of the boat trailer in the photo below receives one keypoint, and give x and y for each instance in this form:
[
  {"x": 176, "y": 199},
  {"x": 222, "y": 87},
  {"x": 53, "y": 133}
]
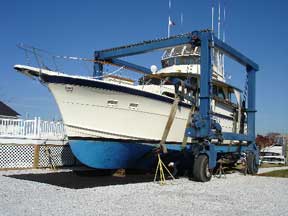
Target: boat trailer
[{"x": 206, "y": 133}]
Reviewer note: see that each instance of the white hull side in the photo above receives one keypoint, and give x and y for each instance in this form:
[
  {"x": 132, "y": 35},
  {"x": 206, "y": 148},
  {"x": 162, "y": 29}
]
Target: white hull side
[{"x": 86, "y": 114}]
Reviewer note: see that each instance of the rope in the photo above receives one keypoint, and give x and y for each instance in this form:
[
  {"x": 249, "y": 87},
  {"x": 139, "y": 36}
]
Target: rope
[
  {"x": 109, "y": 74},
  {"x": 161, "y": 168},
  {"x": 27, "y": 57},
  {"x": 33, "y": 50}
]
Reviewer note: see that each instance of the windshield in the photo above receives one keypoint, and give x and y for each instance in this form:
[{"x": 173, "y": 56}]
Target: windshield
[{"x": 181, "y": 60}]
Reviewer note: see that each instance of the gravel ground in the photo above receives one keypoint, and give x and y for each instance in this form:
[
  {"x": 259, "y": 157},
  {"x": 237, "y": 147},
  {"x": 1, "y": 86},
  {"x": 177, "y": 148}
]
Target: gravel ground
[{"x": 234, "y": 195}]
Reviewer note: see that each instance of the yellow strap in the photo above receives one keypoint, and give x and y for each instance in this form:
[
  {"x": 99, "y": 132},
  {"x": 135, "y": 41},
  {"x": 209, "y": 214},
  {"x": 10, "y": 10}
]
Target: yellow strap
[
  {"x": 169, "y": 123},
  {"x": 185, "y": 138}
]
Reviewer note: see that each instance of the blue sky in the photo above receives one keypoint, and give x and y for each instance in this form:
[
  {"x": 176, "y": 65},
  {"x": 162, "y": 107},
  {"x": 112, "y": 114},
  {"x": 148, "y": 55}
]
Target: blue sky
[{"x": 257, "y": 28}]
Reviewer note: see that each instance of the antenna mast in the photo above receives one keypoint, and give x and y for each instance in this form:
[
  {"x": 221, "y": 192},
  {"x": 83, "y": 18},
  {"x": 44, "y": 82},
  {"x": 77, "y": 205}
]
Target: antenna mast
[
  {"x": 219, "y": 55},
  {"x": 224, "y": 38},
  {"x": 212, "y": 17},
  {"x": 169, "y": 19},
  {"x": 212, "y": 29},
  {"x": 224, "y": 20},
  {"x": 219, "y": 19}
]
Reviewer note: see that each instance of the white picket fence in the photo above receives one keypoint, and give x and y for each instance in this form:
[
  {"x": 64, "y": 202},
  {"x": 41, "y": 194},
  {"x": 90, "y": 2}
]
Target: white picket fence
[{"x": 32, "y": 129}]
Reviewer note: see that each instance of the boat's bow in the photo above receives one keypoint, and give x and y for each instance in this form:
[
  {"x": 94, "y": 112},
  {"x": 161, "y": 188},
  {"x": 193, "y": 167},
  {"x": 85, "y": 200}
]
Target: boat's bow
[{"x": 33, "y": 71}]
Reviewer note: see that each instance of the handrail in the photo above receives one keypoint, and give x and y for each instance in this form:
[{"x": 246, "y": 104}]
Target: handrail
[{"x": 33, "y": 128}]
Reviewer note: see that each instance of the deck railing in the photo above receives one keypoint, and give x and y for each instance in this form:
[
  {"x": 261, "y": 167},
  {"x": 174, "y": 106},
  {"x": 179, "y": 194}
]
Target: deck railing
[{"x": 33, "y": 129}]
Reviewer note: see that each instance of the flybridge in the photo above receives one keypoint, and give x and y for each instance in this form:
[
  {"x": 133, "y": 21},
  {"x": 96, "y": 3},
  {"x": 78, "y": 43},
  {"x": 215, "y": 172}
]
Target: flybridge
[{"x": 195, "y": 38}]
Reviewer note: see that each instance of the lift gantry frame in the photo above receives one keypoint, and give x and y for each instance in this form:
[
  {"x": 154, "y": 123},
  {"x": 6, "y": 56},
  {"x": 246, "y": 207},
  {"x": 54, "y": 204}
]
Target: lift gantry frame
[{"x": 202, "y": 128}]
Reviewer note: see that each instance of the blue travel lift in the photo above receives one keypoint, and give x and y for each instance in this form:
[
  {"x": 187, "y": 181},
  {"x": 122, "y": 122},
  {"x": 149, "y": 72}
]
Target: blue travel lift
[{"x": 203, "y": 128}]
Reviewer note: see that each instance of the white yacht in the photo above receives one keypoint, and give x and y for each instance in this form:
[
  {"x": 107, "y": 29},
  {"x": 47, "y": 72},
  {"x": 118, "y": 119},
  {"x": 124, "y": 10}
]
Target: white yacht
[{"x": 116, "y": 109}]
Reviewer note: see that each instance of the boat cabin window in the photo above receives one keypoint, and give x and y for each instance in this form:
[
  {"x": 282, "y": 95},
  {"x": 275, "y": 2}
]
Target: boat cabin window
[
  {"x": 181, "y": 60},
  {"x": 112, "y": 103},
  {"x": 149, "y": 81},
  {"x": 226, "y": 94},
  {"x": 133, "y": 106},
  {"x": 178, "y": 51},
  {"x": 218, "y": 91},
  {"x": 169, "y": 94},
  {"x": 189, "y": 50},
  {"x": 171, "y": 61},
  {"x": 232, "y": 97}
]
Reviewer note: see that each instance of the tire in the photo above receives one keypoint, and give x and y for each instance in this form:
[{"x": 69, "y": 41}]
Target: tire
[
  {"x": 201, "y": 170},
  {"x": 252, "y": 166}
]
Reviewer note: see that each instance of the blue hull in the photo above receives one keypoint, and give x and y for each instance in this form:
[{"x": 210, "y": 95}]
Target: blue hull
[{"x": 114, "y": 155}]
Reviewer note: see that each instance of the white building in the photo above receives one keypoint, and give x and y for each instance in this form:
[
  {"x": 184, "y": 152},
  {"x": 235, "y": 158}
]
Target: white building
[
  {"x": 33, "y": 143},
  {"x": 14, "y": 130}
]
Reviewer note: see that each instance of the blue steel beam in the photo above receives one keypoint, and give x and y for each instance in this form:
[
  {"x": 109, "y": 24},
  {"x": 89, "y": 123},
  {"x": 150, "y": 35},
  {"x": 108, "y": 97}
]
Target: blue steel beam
[
  {"x": 146, "y": 46},
  {"x": 234, "y": 54},
  {"x": 98, "y": 71},
  {"x": 251, "y": 102},
  {"x": 130, "y": 66},
  {"x": 230, "y": 148},
  {"x": 236, "y": 136},
  {"x": 191, "y": 132},
  {"x": 152, "y": 45},
  {"x": 205, "y": 84}
]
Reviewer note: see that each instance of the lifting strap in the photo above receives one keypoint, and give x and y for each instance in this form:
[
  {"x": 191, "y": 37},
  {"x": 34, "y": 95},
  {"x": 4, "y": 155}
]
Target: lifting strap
[
  {"x": 169, "y": 124},
  {"x": 190, "y": 116}
]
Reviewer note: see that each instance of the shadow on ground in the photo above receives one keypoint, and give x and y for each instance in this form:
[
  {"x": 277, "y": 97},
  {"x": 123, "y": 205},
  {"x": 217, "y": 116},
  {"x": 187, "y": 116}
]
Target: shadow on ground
[{"x": 85, "y": 179}]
